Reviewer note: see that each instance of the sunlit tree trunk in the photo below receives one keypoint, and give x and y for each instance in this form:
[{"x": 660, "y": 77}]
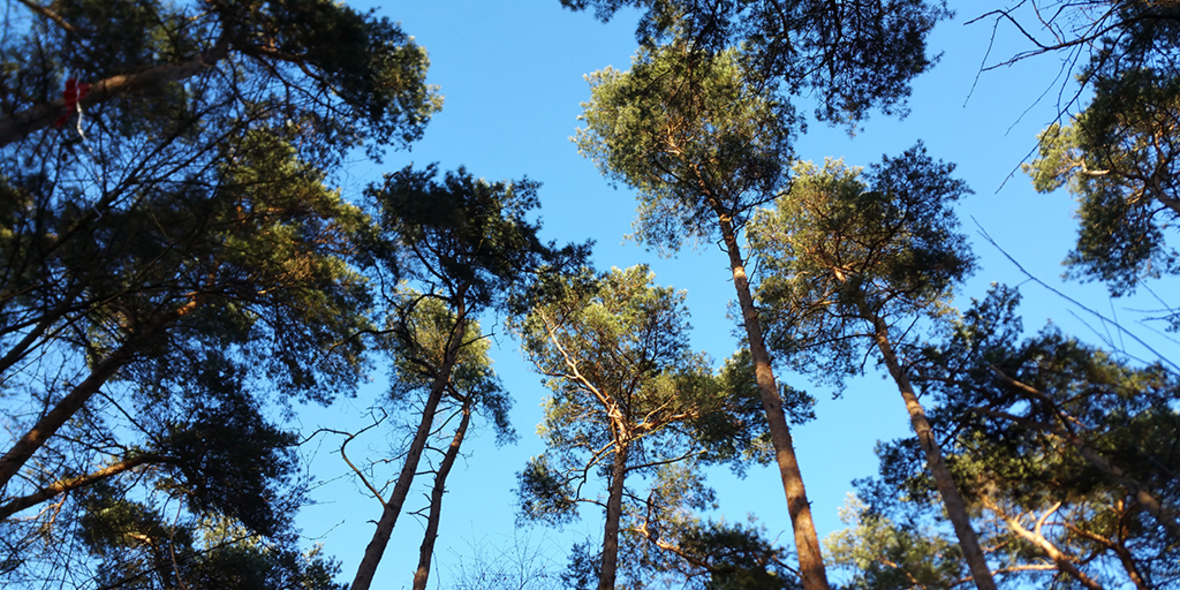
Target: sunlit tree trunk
[
  {"x": 811, "y": 561},
  {"x": 393, "y": 507},
  {"x": 947, "y": 488},
  {"x": 426, "y": 551}
]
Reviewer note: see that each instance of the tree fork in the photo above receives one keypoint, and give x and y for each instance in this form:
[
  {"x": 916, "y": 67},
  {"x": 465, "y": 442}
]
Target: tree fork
[
  {"x": 392, "y": 508},
  {"x": 426, "y": 551},
  {"x": 811, "y": 562}
]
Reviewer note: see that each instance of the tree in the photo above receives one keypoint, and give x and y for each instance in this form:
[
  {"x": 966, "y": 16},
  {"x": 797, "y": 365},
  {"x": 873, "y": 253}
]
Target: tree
[
  {"x": 703, "y": 147},
  {"x": 177, "y": 307},
  {"x": 1067, "y": 454},
  {"x": 1117, "y": 154},
  {"x": 853, "y": 262},
  {"x": 174, "y": 251},
  {"x": 1118, "y": 157},
  {"x": 468, "y": 245},
  {"x": 628, "y": 399},
  {"x": 852, "y": 56}
]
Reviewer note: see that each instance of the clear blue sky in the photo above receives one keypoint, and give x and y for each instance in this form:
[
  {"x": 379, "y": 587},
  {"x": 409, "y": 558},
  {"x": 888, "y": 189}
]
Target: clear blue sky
[{"x": 512, "y": 74}]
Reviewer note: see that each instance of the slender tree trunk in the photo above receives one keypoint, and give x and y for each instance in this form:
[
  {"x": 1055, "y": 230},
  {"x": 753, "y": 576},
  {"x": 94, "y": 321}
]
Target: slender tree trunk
[
  {"x": 393, "y": 507},
  {"x": 426, "y": 551},
  {"x": 1120, "y": 548},
  {"x": 955, "y": 507},
  {"x": 74, "y": 483},
  {"x": 811, "y": 561},
  {"x": 614, "y": 514}
]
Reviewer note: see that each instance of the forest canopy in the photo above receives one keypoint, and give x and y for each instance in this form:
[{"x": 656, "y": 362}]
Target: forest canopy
[{"x": 271, "y": 317}]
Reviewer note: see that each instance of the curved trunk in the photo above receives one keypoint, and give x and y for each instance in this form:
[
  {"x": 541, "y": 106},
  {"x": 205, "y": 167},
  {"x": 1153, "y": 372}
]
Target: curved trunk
[
  {"x": 811, "y": 561},
  {"x": 426, "y": 551},
  {"x": 614, "y": 514},
  {"x": 376, "y": 548},
  {"x": 947, "y": 488}
]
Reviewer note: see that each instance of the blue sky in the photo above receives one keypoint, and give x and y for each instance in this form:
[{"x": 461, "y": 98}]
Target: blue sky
[{"x": 512, "y": 77}]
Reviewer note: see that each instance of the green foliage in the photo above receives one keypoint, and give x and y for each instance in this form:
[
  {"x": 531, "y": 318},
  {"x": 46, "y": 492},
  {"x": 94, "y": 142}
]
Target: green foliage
[
  {"x": 739, "y": 434},
  {"x": 337, "y": 75},
  {"x": 418, "y": 339},
  {"x": 464, "y": 237},
  {"x": 614, "y": 351},
  {"x": 852, "y": 57},
  {"x": 843, "y": 247},
  {"x": 468, "y": 246},
  {"x": 885, "y": 555},
  {"x": 735, "y": 557},
  {"x": 1053, "y": 441},
  {"x": 693, "y": 135},
  {"x": 545, "y": 496},
  {"x": 1117, "y": 158},
  {"x": 1117, "y": 155},
  {"x": 142, "y": 549}
]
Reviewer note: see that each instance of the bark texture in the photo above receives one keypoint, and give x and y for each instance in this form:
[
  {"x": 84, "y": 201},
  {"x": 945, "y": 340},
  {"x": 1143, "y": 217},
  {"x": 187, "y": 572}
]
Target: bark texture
[
  {"x": 947, "y": 488},
  {"x": 811, "y": 562},
  {"x": 614, "y": 514}
]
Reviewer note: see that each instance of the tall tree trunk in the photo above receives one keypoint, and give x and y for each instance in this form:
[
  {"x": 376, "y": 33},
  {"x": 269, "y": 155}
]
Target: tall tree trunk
[
  {"x": 811, "y": 561},
  {"x": 1164, "y": 515},
  {"x": 614, "y": 514},
  {"x": 426, "y": 551},
  {"x": 393, "y": 507},
  {"x": 955, "y": 507}
]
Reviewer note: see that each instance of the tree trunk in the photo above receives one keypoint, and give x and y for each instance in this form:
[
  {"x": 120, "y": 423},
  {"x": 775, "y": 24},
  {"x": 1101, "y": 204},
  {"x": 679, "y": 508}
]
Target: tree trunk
[
  {"x": 426, "y": 551},
  {"x": 66, "y": 485},
  {"x": 955, "y": 507},
  {"x": 376, "y": 548},
  {"x": 614, "y": 514},
  {"x": 811, "y": 561}
]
